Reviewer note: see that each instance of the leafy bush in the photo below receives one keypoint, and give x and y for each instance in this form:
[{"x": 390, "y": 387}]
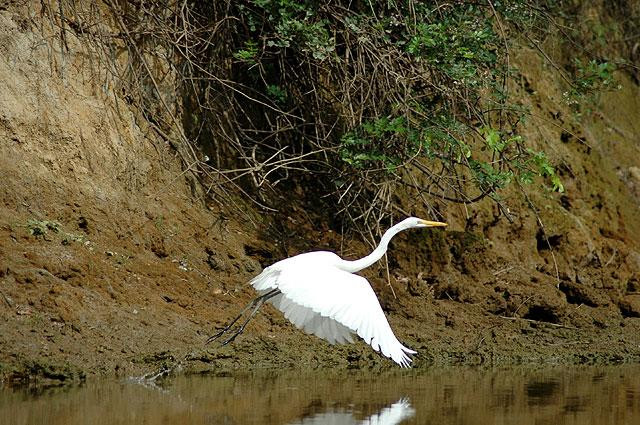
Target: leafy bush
[
  {"x": 378, "y": 89},
  {"x": 591, "y": 78},
  {"x": 362, "y": 95}
]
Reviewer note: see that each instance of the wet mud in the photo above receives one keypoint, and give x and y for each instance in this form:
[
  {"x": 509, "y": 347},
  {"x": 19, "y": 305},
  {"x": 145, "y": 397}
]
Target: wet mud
[{"x": 111, "y": 263}]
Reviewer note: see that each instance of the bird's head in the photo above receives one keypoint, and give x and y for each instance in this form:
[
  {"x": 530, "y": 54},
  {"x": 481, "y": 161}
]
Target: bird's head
[{"x": 412, "y": 222}]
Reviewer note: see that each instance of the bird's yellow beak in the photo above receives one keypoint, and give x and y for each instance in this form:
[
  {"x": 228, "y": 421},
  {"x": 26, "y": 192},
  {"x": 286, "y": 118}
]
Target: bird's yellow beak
[{"x": 433, "y": 223}]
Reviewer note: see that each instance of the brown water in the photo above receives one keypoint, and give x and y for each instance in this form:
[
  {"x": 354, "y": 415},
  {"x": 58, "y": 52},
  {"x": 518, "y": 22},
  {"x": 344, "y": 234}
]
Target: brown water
[{"x": 562, "y": 395}]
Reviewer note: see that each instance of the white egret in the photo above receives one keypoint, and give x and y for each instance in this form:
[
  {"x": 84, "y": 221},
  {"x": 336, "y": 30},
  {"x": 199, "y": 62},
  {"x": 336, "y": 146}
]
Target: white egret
[{"x": 318, "y": 292}]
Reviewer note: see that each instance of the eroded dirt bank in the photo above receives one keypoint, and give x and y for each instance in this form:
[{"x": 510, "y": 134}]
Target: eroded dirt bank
[{"x": 112, "y": 262}]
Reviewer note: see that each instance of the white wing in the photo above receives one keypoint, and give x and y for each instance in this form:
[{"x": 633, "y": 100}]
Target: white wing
[{"x": 330, "y": 303}]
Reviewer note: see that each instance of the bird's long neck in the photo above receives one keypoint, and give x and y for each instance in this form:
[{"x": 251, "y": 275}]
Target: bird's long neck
[{"x": 357, "y": 265}]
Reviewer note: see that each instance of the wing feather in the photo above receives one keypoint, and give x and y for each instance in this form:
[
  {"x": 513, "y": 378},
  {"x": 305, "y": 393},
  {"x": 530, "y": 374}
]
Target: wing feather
[
  {"x": 311, "y": 322},
  {"x": 331, "y": 304}
]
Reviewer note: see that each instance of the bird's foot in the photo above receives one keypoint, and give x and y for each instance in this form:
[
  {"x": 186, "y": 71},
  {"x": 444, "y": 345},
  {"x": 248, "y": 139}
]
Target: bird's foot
[{"x": 223, "y": 332}]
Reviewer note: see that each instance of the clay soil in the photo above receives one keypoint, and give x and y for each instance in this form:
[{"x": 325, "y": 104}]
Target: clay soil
[{"x": 113, "y": 262}]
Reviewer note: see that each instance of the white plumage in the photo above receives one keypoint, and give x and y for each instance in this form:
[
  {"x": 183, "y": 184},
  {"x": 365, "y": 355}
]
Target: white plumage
[
  {"x": 318, "y": 292},
  {"x": 323, "y": 300}
]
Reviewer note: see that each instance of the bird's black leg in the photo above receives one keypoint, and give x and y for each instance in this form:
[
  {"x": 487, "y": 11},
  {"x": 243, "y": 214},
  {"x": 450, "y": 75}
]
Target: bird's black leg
[
  {"x": 258, "y": 301},
  {"x": 261, "y": 300},
  {"x": 226, "y": 328}
]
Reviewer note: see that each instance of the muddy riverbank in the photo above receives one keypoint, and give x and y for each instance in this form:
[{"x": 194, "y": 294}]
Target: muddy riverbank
[{"x": 112, "y": 262}]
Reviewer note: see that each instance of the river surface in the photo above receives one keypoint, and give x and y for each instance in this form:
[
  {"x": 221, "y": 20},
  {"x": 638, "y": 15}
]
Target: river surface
[{"x": 558, "y": 395}]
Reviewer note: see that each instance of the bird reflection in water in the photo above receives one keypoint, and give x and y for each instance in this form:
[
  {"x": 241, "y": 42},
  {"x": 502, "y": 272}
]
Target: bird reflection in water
[{"x": 391, "y": 415}]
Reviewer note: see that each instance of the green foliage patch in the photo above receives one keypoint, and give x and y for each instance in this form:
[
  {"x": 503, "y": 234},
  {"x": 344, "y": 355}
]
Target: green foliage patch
[
  {"x": 363, "y": 95},
  {"x": 39, "y": 228},
  {"x": 399, "y": 85}
]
